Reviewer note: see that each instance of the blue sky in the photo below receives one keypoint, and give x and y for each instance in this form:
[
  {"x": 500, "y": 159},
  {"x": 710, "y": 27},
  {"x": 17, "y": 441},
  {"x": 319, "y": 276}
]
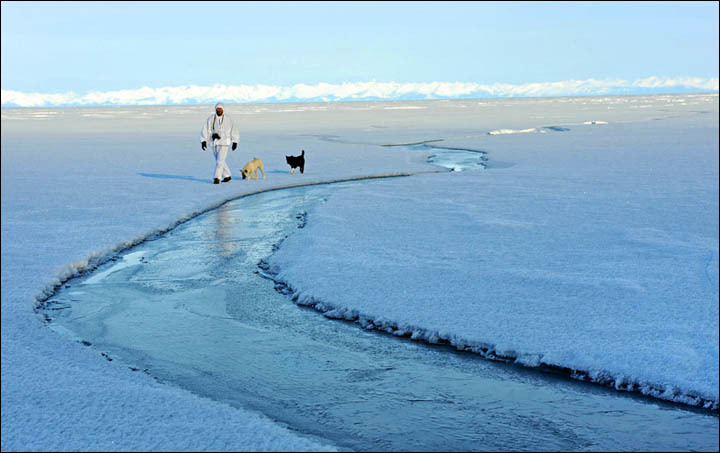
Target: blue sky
[{"x": 83, "y": 47}]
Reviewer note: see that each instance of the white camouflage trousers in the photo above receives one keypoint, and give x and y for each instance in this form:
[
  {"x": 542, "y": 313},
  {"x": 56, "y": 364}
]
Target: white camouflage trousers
[{"x": 221, "y": 168}]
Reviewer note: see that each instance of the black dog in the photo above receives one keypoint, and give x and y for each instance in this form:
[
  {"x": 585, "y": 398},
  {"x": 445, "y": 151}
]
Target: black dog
[{"x": 296, "y": 161}]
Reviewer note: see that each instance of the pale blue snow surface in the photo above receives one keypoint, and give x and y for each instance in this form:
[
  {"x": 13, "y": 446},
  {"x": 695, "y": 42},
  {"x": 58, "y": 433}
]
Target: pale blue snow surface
[
  {"x": 596, "y": 251},
  {"x": 81, "y": 183},
  {"x": 78, "y": 183}
]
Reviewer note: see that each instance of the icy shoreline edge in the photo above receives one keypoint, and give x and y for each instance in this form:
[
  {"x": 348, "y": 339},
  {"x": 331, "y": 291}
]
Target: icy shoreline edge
[
  {"x": 485, "y": 350},
  {"x": 604, "y": 378},
  {"x": 98, "y": 258}
]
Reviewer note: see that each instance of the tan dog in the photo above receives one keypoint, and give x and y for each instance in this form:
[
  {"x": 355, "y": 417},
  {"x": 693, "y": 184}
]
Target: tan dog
[{"x": 250, "y": 169}]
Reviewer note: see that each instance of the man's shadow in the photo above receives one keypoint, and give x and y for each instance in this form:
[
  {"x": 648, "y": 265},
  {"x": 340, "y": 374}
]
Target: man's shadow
[{"x": 187, "y": 178}]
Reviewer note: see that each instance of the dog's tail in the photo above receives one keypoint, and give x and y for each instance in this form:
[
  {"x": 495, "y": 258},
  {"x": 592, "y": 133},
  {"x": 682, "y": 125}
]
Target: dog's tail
[{"x": 303, "y": 153}]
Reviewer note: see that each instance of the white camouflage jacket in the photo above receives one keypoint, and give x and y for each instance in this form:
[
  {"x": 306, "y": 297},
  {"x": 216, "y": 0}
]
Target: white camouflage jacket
[{"x": 223, "y": 126}]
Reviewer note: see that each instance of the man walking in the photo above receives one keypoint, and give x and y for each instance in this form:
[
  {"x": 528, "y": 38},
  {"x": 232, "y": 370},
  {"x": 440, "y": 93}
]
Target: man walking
[{"x": 220, "y": 129}]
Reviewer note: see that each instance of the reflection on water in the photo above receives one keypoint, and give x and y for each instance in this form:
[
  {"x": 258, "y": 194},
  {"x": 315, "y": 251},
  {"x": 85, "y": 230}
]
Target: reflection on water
[{"x": 223, "y": 238}]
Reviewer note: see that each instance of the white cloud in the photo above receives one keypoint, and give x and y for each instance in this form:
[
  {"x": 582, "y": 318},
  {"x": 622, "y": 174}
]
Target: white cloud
[{"x": 193, "y": 94}]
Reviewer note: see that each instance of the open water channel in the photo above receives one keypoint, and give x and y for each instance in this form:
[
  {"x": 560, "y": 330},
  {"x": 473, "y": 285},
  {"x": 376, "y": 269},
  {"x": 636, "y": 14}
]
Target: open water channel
[{"x": 192, "y": 308}]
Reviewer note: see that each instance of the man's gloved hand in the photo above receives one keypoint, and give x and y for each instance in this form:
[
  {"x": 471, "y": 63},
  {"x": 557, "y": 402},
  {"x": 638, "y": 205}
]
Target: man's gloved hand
[
  {"x": 234, "y": 146},
  {"x": 216, "y": 136},
  {"x": 204, "y": 145}
]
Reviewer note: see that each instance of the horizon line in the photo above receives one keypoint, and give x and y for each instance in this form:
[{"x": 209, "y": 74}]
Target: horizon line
[
  {"x": 357, "y": 91},
  {"x": 340, "y": 101}
]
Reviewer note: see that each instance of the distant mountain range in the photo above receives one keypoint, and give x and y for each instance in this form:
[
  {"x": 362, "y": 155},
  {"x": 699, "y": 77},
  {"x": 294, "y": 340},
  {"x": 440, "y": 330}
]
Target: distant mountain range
[{"x": 352, "y": 91}]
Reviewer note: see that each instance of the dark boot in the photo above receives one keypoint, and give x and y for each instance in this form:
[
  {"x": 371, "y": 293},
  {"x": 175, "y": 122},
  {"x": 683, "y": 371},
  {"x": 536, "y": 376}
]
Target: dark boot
[
  {"x": 216, "y": 181},
  {"x": 226, "y": 179}
]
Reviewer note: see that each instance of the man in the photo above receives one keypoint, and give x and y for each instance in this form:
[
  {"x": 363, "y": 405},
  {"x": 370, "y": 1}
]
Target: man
[{"x": 220, "y": 129}]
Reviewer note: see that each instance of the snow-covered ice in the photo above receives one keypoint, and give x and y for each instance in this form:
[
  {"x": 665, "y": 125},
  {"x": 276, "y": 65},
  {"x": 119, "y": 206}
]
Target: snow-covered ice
[
  {"x": 593, "y": 248},
  {"x": 597, "y": 251},
  {"x": 74, "y": 189},
  {"x": 512, "y": 131}
]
